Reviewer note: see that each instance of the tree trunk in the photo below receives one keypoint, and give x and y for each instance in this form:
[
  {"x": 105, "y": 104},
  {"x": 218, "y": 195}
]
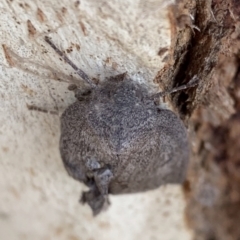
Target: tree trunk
[{"x": 161, "y": 44}]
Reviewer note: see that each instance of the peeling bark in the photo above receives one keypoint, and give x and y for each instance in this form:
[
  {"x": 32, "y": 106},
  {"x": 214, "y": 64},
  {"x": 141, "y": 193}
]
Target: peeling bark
[{"x": 212, "y": 110}]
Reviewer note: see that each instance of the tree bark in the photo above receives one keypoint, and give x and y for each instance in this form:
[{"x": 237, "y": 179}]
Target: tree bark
[
  {"x": 162, "y": 44},
  {"x": 212, "y": 112}
]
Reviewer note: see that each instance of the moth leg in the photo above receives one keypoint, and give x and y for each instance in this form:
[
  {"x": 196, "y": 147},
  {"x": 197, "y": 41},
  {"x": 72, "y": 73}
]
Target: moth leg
[
  {"x": 102, "y": 179},
  {"x": 95, "y": 200},
  {"x": 98, "y": 182},
  {"x": 192, "y": 83},
  {"x": 39, "y": 109},
  {"x": 80, "y": 94},
  {"x": 92, "y": 165}
]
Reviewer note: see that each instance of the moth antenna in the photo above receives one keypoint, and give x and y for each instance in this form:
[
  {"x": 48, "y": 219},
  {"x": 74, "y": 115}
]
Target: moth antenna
[
  {"x": 192, "y": 83},
  {"x": 80, "y": 72}
]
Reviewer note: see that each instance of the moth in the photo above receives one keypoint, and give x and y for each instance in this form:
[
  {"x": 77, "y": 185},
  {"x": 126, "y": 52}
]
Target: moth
[{"x": 116, "y": 140}]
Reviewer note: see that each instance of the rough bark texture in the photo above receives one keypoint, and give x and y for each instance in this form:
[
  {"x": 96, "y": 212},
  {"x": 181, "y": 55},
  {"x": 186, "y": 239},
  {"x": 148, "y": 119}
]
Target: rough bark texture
[{"x": 213, "y": 54}]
